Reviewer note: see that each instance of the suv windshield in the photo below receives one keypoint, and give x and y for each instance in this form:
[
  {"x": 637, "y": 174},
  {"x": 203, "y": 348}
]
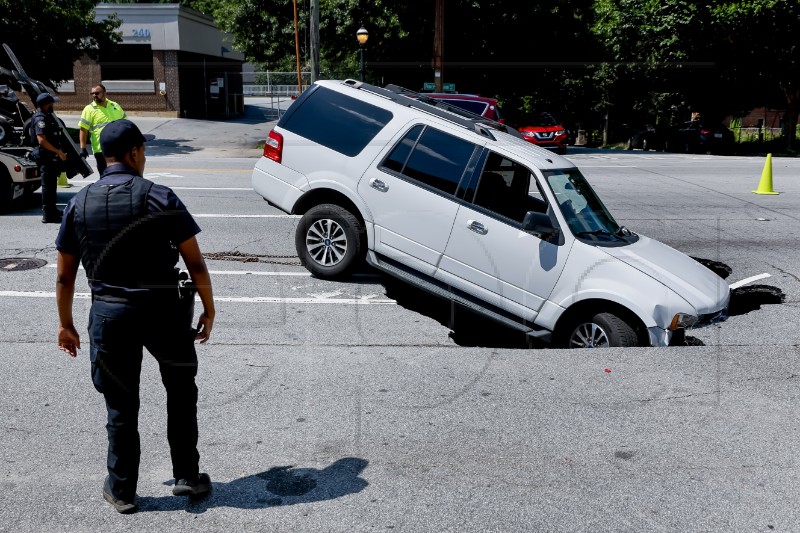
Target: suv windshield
[
  {"x": 586, "y": 215},
  {"x": 544, "y": 120}
]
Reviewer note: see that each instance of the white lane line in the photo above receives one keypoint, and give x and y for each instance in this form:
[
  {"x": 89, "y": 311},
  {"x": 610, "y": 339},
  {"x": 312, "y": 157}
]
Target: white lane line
[
  {"x": 745, "y": 281},
  {"x": 87, "y": 182},
  {"x": 211, "y": 188},
  {"x": 304, "y": 274},
  {"x": 366, "y": 300},
  {"x": 221, "y": 215}
]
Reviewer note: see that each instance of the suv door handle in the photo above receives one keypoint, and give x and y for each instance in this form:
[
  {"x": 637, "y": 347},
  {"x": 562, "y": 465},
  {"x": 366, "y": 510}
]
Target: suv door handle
[
  {"x": 477, "y": 227},
  {"x": 375, "y": 183}
]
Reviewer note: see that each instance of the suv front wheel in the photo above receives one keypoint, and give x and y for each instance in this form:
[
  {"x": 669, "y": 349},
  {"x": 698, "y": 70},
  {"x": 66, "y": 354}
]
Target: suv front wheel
[
  {"x": 603, "y": 330},
  {"x": 329, "y": 241}
]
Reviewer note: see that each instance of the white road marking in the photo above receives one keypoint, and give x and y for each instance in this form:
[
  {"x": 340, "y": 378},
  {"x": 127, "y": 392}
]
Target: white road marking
[
  {"x": 366, "y": 300},
  {"x": 211, "y": 188},
  {"x": 751, "y": 279},
  {"x": 222, "y": 215},
  {"x": 150, "y": 175},
  {"x": 304, "y": 274}
]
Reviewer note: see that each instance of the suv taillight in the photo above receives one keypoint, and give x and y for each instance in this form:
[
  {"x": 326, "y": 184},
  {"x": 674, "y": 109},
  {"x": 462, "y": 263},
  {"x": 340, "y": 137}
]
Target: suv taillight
[{"x": 273, "y": 146}]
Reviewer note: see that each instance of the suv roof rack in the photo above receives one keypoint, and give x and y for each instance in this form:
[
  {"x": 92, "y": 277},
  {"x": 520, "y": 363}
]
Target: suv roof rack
[{"x": 440, "y": 108}]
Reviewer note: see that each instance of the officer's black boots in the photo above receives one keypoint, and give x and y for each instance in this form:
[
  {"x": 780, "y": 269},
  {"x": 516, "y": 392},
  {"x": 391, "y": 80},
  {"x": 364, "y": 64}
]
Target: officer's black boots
[
  {"x": 197, "y": 487},
  {"x": 52, "y": 216}
]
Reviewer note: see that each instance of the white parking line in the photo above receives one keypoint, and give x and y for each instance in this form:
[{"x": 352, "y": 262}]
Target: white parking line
[
  {"x": 751, "y": 279},
  {"x": 366, "y": 300}
]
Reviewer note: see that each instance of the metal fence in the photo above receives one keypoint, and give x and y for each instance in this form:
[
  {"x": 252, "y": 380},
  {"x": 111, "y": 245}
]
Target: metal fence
[
  {"x": 273, "y": 83},
  {"x": 272, "y": 90}
]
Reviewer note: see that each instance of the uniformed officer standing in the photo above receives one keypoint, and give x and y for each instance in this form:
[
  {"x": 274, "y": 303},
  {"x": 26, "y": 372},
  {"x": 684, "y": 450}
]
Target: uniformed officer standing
[
  {"x": 50, "y": 155},
  {"x": 93, "y": 118},
  {"x": 128, "y": 232}
]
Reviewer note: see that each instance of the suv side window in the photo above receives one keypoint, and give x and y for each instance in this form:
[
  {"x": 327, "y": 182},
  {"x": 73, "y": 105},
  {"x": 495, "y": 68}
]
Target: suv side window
[
  {"x": 505, "y": 189},
  {"x": 431, "y": 157},
  {"x": 337, "y": 121}
]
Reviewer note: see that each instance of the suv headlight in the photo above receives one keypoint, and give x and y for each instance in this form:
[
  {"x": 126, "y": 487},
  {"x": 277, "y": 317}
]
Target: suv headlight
[
  {"x": 682, "y": 320},
  {"x": 561, "y": 132}
]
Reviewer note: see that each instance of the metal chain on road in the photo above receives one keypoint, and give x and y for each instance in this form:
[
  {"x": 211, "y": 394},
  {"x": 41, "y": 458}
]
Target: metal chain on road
[{"x": 243, "y": 257}]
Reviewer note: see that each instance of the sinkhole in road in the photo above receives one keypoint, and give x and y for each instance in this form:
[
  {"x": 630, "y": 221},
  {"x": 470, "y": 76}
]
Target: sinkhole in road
[{"x": 468, "y": 329}]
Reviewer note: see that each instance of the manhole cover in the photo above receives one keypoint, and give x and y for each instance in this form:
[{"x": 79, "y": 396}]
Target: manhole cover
[{"x": 20, "y": 263}]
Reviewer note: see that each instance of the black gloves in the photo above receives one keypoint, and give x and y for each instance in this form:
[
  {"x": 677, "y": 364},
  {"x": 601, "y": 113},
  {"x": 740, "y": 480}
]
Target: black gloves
[{"x": 84, "y": 153}]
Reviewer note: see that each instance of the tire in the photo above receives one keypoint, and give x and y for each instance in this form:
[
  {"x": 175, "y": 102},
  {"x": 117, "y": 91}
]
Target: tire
[
  {"x": 330, "y": 241},
  {"x": 6, "y": 190},
  {"x": 6, "y": 132},
  {"x": 562, "y": 151},
  {"x": 603, "y": 330}
]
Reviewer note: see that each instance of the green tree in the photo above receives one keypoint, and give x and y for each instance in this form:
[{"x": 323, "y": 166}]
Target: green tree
[
  {"x": 717, "y": 57},
  {"x": 760, "y": 51},
  {"x": 47, "y": 36}
]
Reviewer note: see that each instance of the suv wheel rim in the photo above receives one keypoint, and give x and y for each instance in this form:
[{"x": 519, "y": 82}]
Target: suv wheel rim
[
  {"x": 588, "y": 335},
  {"x": 326, "y": 242}
]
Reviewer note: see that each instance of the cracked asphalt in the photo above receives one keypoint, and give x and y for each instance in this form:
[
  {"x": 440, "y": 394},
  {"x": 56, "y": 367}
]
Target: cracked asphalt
[{"x": 361, "y": 406}]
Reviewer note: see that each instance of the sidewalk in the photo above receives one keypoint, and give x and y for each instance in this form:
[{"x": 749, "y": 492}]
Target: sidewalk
[{"x": 238, "y": 137}]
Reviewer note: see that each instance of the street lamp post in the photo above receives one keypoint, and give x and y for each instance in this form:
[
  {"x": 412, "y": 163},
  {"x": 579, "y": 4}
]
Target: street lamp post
[{"x": 362, "y": 35}]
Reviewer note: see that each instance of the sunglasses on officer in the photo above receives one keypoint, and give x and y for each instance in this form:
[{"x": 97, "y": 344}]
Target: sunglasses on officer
[{"x": 97, "y": 92}]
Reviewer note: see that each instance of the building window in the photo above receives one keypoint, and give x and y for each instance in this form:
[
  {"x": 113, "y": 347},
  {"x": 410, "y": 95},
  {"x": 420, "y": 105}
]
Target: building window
[{"x": 128, "y": 62}]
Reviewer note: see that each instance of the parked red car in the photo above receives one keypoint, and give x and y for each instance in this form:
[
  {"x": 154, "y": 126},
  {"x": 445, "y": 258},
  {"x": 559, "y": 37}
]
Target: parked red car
[{"x": 547, "y": 132}]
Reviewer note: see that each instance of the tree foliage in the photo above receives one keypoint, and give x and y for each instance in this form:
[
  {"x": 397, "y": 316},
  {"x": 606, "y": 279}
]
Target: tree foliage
[
  {"x": 716, "y": 57},
  {"x": 591, "y": 62},
  {"x": 47, "y": 36}
]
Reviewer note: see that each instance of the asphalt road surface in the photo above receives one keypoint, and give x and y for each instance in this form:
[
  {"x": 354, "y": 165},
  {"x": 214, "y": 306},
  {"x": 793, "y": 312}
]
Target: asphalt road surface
[{"x": 364, "y": 406}]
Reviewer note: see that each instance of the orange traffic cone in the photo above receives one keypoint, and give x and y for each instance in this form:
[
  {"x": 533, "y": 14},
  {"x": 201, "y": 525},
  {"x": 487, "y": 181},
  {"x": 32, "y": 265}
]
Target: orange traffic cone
[{"x": 765, "y": 185}]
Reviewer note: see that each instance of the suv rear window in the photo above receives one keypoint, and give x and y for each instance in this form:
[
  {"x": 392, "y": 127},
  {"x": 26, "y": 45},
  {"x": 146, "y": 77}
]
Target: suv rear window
[{"x": 336, "y": 121}]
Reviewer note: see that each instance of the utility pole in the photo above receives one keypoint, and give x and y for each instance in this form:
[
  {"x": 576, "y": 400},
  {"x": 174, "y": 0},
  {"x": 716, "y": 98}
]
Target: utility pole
[
  {"x": 314, "y": 40},
  {"x": 297, "y": 49},
  {"x": 438, "y": 44}
]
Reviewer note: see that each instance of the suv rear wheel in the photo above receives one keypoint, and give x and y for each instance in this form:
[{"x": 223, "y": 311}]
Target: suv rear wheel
[
  {"x": 329, "y": 241},
  {"x": 603, "y": 330}
]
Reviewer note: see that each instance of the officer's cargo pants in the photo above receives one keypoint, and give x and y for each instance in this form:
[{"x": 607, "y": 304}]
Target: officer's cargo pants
[
  {"x": 49, "y": 170},
  {"x": 118, "y": 332}
]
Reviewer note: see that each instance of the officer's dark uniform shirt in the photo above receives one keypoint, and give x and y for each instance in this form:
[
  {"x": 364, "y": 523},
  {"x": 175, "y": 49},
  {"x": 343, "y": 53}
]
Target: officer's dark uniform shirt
[
  {"x": 177, "y": 227},
  {"x": 47, "y": 125}
]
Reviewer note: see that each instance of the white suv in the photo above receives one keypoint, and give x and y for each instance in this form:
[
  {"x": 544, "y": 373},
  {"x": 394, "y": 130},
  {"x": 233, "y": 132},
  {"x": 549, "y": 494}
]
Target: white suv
[{"x": 464, "y": 208}]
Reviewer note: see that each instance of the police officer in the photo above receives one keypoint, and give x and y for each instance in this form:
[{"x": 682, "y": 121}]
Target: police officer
[
  {"x": 128, "y": 233},
  {"x": 93, "y": 118},
  {"x": 49, "y": 154}
]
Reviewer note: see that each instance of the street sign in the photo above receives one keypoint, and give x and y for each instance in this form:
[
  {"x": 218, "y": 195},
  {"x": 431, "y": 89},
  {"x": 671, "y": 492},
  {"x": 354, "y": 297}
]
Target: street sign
[
  {"x": 450, "y": 87},
  {"x": 428, "y": 86}
]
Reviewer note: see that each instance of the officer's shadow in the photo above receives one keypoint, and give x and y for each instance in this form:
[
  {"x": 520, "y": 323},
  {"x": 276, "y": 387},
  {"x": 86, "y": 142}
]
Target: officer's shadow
[{"x": 278, "y": 486}]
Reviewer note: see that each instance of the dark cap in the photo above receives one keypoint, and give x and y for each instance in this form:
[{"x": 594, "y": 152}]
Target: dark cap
[
  {"x": 119, "y": 136},
  {"x": 45, "y": 98}
]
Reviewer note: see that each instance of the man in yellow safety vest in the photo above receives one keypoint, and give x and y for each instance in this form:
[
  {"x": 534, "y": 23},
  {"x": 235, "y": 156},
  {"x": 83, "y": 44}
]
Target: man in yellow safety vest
[{"x": 94, "y": 117}]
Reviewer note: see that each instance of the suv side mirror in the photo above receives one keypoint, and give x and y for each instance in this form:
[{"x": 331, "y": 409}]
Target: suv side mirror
[{"x": 539, "y": 224}]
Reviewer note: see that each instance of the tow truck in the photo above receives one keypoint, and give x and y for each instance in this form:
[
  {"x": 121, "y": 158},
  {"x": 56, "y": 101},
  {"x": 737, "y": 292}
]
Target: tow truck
[
  {"x": 19, "y": 173},
  {"x": 19, "y": 176}
]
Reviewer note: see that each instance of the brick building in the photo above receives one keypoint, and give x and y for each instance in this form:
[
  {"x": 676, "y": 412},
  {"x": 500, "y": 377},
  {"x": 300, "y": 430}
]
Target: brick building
[{"x": 172, "y": 61}]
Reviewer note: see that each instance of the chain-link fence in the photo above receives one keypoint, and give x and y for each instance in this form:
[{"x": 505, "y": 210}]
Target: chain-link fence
[{"x": 274, "y": 83}]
